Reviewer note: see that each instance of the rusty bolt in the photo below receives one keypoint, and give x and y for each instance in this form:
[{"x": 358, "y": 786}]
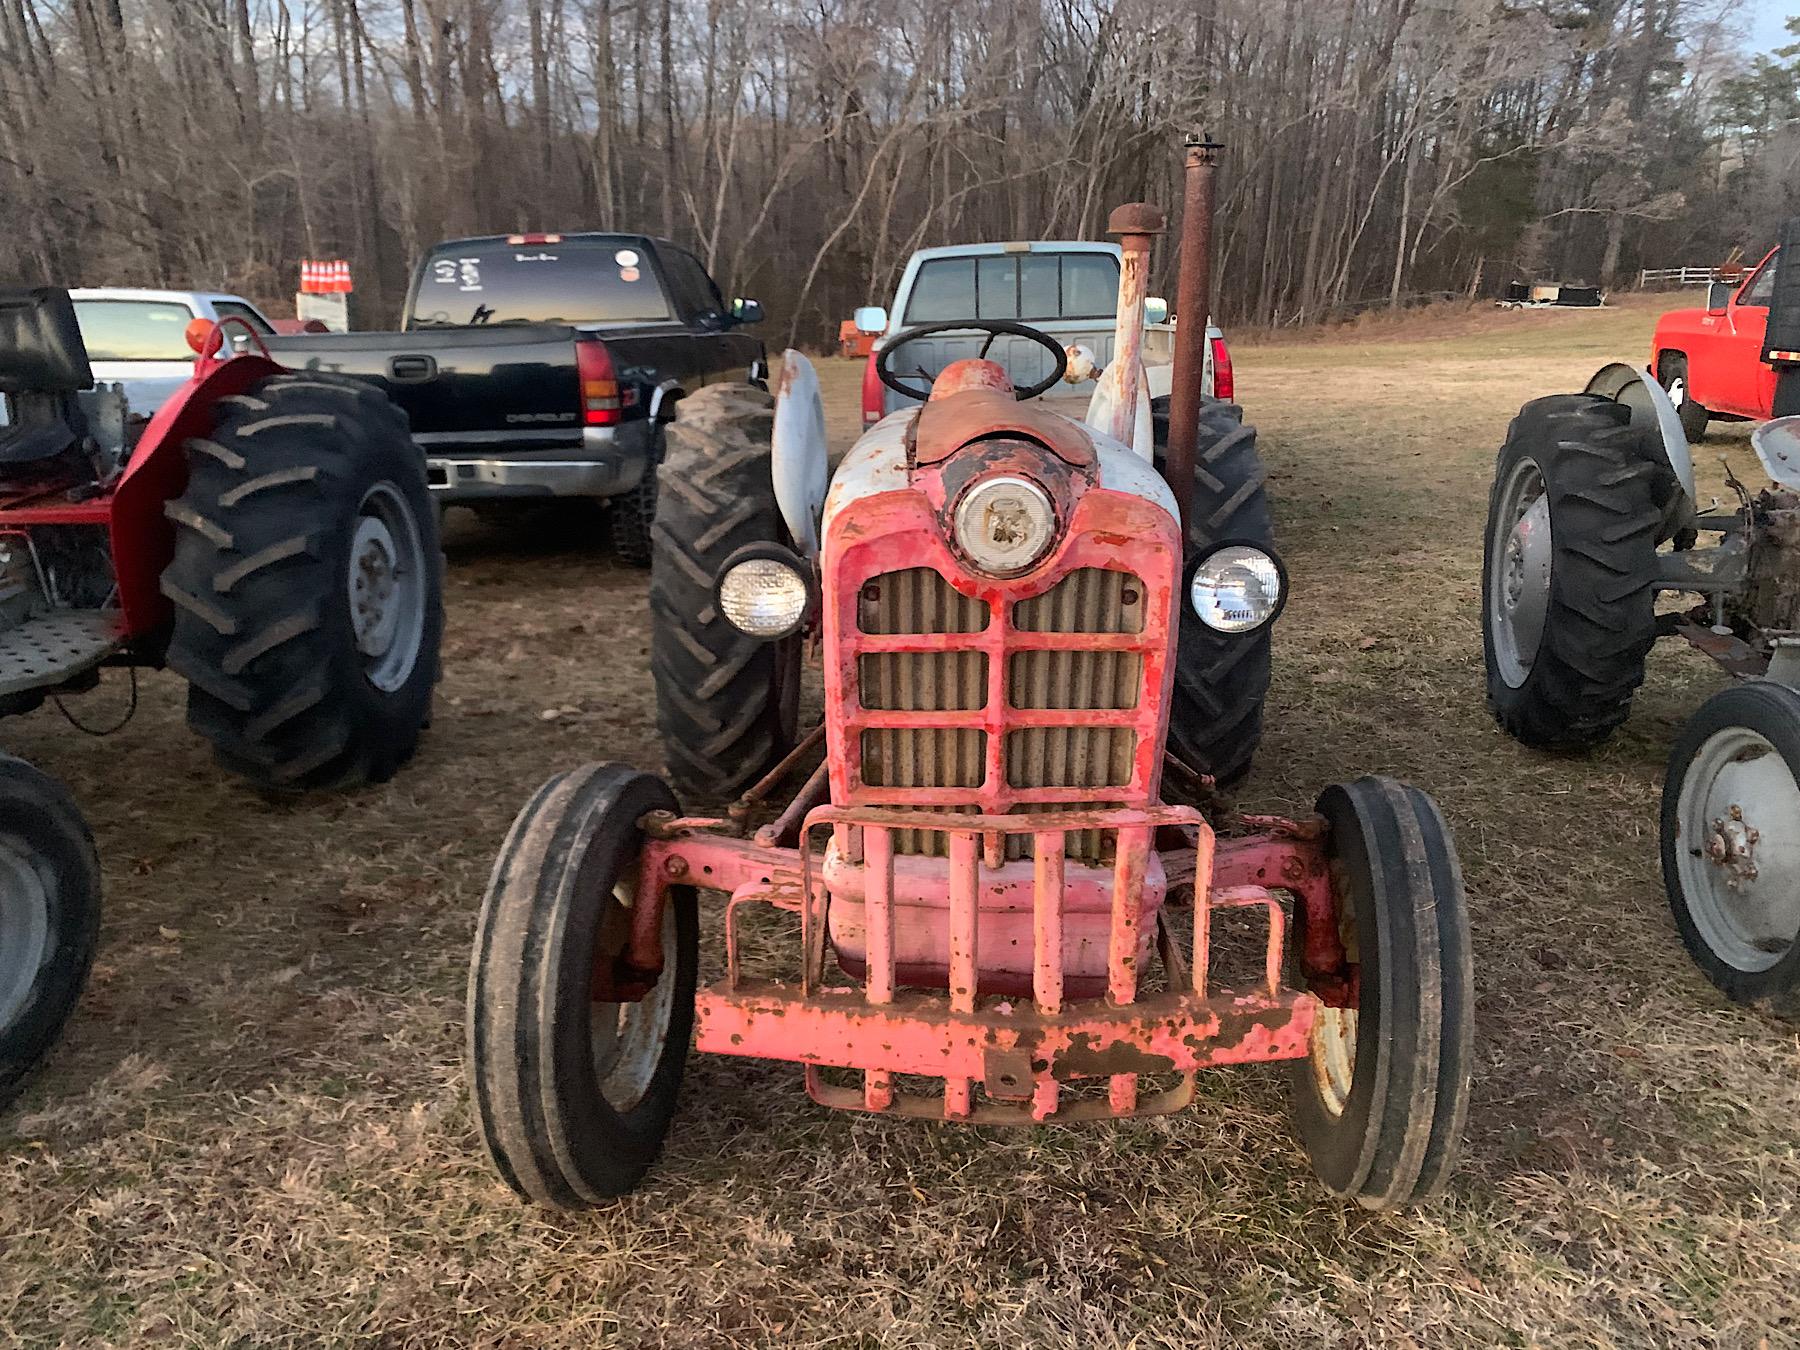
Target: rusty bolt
[
  {"x": 1292, "y": 869},
  {"x": 675, "y": 865}
]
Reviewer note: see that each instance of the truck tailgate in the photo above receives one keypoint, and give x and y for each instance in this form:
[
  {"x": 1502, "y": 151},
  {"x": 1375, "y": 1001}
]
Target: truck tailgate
[{"x": 459, "y": 385}]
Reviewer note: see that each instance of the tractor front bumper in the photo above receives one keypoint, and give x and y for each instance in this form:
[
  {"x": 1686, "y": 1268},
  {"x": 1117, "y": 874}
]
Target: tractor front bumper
[{"x": 1045, "y": 1057}]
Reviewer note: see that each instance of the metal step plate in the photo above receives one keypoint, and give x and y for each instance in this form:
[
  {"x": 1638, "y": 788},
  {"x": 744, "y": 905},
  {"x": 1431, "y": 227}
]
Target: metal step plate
[{"x": 54, "y": 647}]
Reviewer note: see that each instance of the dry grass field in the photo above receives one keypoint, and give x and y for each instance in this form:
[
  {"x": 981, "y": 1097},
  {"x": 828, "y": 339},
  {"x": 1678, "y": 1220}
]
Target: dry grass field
[{"x": 257, "y": 1132}]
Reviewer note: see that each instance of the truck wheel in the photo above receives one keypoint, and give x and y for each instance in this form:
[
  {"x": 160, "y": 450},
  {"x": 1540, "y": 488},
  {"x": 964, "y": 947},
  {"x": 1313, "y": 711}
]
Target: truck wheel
[
  {"x": 574, "y": 1096},
  {"x": 1380, "y": 1100},
  {"x": 1216, "y": 716},
  {"x": 308, "y": 585},
  {"x": 49, "y": 916},
  {"x": 1672, "y": 375},
  {"x": 724, "y": 702},
  {"x": 1730, "y": 854},
  {"x": 632, "y": 515},
  {"x": 1569, "y": 578}
]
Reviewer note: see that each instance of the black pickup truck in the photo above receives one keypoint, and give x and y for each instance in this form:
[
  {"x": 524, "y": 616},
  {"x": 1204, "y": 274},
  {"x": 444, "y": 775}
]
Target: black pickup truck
[{"x": 544, "y": 365}]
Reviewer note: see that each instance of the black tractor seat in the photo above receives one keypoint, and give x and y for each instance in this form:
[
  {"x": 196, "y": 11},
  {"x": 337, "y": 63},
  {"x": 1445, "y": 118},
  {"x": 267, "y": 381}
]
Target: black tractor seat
[{"x": 43, "y": 367}]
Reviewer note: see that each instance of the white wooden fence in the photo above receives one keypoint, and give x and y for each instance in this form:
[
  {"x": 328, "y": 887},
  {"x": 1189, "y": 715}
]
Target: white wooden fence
[{"x": 1653, "y": 278}]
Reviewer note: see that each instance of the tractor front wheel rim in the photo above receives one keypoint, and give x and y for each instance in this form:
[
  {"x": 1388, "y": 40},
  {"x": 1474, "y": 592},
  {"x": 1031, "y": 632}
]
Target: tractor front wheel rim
[
  {"x": 1519, "y": 573},
  {"x": 1332, "y": 1052},
  {"x": 24, "y": 930},
  {"x": 1738, "y": 862},
  {"x": 386, "y": 585},
  {"x": 628, "y": 1038}
]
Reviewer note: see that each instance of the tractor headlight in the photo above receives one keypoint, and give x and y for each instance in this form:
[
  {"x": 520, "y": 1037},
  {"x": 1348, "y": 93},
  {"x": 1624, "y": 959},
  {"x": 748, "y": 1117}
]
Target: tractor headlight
[
  {"x": 1237, "y": 588},
  {"x": 764, "y": 591},
  {"x": 1004, "y": 524}
]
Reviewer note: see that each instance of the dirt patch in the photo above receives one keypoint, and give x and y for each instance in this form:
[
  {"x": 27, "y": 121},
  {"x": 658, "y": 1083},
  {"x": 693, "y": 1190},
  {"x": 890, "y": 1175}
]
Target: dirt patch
[{"x": 258, "y": 1130}]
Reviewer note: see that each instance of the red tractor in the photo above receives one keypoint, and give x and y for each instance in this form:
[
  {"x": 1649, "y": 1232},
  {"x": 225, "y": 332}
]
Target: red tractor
[
  {"x": 986, "y": 904},
  {"x": 266, "y": 535},
  {"x": 1598, "y": 544}
]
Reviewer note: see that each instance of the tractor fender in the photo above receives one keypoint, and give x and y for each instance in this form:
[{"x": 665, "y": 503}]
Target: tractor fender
[
  {"x": 1777, "y": 445},
  {"x": 800, "y": 452},
  {"x": 1650, "y": 406}
]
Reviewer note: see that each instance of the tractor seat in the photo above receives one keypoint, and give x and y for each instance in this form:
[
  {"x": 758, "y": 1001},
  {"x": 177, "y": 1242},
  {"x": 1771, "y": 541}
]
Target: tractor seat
[{"x": 43, "y": 367}]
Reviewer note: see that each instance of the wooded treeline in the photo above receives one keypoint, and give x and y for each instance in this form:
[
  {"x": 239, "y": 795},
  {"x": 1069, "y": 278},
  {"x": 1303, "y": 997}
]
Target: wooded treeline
[{"x": 1378, "y": 150}]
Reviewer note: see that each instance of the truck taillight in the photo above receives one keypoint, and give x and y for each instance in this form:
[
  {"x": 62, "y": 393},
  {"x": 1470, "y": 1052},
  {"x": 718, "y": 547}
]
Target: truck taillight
[
  {"x": 1224, "y": 386},
  {"x": 600, "y": 402},
  {"x": 534, "y": 239},
  {"x": 872, "y": 399}
]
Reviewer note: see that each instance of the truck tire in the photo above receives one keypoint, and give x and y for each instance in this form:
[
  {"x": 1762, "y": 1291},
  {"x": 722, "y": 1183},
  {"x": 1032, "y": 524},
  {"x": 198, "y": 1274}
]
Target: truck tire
[
  {"x": 724, "y": 701},
  {"x": 631, "y": 516},
  {"x": 308, "y": 585},
  {"x": 1672, "y": 375},
  {"x": 1216, "y": 716},
  {"x": 49, "y": 916},
  {"x": 1569, "y": 574}
]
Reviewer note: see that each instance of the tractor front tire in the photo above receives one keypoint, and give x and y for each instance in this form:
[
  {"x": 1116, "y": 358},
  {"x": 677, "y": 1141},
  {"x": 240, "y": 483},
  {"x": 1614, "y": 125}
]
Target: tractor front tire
[
  {"x": 573, "y": 1095},
  {"x": 1380, "y": 1100},
  {"x": 1570, "y": 575},
  {"x": 49, "y": 916},
  {"x": 725, "y": 702},
  {"x": 1221, "y": 680},
  {"x": 308, "y": 585}
]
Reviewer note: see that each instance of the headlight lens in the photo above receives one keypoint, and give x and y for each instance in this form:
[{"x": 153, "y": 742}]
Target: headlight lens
[
  {"x": 1236, "y": 589},
  {"x": 764, "y": 597},
  {"x": 1004, "y": 524}
]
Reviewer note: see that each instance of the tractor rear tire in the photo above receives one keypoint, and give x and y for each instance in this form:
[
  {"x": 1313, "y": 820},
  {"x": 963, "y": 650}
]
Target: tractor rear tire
[
  {"x": 1568, "y": 616},
  {"x": 574, "y": 1096},
  {"x": 49, "y": 916},
  {"x": 1221, "y": 681},
  {"x": 308, "y": 585},
  {"x": 726, "y": 703},
  {"x": 1381, "y": 1099},
  {"x": 1672, "y": 375}
]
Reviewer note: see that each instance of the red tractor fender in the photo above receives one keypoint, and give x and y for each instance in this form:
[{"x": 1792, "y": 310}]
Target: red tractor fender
[{"x": 143, "y": 539}]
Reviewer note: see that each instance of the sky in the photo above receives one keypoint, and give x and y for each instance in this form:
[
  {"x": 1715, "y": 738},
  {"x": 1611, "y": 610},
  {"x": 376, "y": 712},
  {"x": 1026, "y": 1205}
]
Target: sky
[{"x": 1766, "y": 19}]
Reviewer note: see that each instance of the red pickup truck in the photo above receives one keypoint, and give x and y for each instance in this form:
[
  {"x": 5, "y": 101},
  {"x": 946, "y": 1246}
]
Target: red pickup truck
[{"x": 1739, "y": 358}]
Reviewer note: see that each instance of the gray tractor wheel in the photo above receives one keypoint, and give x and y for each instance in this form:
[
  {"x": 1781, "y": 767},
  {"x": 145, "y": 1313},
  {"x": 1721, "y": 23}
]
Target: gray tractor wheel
[
  {"x": 49, "y": 916},
  {"x": 1221, "y": 681},
  {"x": 1730, "y": 850},
  {"x": 308, "y": 585},
  {"x": 726, "y": 703},
  {"x": 1569, "y": 576}
]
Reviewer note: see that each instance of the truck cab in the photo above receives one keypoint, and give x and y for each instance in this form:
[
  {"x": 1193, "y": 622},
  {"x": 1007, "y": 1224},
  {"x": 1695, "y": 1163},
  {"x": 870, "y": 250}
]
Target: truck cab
[
  {"x": 1062, "y": 287},
  {"x": 1711, "y": 360}
]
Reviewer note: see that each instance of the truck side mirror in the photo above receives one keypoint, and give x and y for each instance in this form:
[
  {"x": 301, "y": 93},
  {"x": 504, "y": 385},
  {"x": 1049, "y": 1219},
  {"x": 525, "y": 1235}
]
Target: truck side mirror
[
  {"x": 1718, "y": 296},
  {"x": 746, "y": 311},
  {"x": 870, "y": 319},
  {"x": 1156, "y": 309}
]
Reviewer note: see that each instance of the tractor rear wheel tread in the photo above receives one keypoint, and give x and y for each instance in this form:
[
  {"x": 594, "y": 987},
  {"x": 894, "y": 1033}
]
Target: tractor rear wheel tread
[
  {"x": 261, "y": 579},
  {"x": 719, "y": 693},
  {"x": 1221, "y": 681},
  {"x": 1604, "y": 482}
]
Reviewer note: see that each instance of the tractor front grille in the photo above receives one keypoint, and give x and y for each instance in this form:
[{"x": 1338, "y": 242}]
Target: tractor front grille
[{"x": 919, "y": 601}]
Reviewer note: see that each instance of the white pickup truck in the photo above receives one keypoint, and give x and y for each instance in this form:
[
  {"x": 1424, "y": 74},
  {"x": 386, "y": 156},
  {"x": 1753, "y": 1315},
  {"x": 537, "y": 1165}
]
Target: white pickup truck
[
  {"x": 138, "y": 338},
  {"x": 1066, "y": 288}
]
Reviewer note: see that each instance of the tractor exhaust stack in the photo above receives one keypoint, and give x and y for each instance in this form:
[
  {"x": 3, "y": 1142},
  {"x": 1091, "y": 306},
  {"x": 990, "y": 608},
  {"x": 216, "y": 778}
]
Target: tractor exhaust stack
[{"x": 1193, "y": 310}]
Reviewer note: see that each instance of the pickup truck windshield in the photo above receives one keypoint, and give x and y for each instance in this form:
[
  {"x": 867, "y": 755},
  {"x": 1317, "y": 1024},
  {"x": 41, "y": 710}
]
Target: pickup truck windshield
[
  {"x": 1023, "y": 286},
  {"x": 581, "y": 281},
  {"x": 134, "y": 330}
]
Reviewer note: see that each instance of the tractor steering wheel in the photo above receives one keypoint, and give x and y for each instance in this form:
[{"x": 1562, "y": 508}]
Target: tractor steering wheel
[{"x": 993, "y": 328}]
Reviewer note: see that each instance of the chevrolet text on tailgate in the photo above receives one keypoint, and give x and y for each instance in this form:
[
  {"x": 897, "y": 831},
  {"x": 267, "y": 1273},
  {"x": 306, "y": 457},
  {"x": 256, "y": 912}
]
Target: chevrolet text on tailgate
[{"x": 536, "y": 366}]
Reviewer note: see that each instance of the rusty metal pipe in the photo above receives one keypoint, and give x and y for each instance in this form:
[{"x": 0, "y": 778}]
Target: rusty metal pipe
[
  {"x": 1136, "y": 224},
  {"x": 1193, "y": 314}
]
